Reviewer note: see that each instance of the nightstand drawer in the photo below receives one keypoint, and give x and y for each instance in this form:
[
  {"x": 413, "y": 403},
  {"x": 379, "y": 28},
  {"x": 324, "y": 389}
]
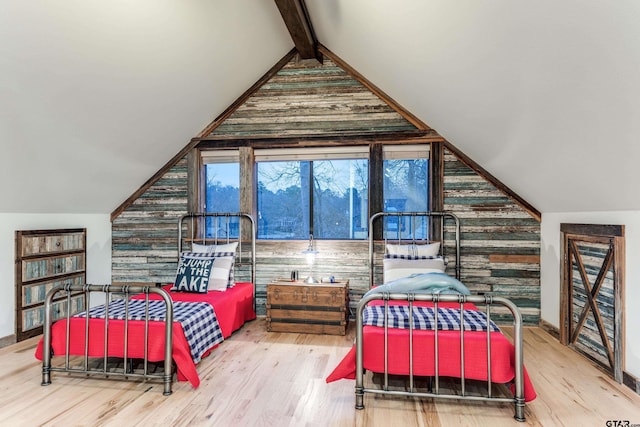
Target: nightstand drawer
[{"x": 307, "y": 295}]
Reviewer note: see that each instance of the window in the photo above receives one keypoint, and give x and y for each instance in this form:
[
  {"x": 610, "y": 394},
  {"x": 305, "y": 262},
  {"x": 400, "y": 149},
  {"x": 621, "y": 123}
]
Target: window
[
  {"x": 222, "y": 192},
  {"x": 322, "y": 192},
  {"x": 319, "y": 191},
  {"x": 406, "y": 172}
]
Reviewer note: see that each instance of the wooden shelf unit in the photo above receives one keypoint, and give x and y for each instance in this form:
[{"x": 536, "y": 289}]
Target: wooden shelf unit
[{"x": 45, "y": 258}]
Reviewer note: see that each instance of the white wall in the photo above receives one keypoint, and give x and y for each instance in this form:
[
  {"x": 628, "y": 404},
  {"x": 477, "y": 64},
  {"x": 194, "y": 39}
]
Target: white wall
[
  {"x": 550, "y": 271},
  {"x": 98, "y": 253},
  {"x": 113, "y": 90}
]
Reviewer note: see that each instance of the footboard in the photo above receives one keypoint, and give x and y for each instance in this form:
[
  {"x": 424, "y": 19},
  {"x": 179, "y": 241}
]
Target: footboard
[
  {"x": 126, "y": 371},
  {"x": 439, "y": 342}
]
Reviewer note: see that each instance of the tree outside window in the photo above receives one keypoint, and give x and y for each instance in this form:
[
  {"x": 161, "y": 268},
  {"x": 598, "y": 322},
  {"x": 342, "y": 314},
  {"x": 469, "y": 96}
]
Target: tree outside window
[
  {"x": 222, "y": 195},
  {"x": 336, "y": 189}
]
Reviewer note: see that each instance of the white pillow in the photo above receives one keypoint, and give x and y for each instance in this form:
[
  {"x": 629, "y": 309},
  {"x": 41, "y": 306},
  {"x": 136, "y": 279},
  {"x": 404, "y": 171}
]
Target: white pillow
[
  {"x": 229, "y": 247},
  {"x": 398, "y": 266},
  {"x": 195, "y": 247},
  {"x": 430, "y": 249}
]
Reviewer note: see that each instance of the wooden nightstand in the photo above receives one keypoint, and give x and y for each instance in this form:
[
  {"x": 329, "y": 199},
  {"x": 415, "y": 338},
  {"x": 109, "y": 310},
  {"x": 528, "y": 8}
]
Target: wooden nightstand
[{"x": 319, "y": 308}]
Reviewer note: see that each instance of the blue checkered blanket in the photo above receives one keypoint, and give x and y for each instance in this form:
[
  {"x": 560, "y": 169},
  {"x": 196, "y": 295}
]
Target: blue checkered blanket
[
  {"x": 424, "y": 318},
  {"x": 198, "y": 320}
]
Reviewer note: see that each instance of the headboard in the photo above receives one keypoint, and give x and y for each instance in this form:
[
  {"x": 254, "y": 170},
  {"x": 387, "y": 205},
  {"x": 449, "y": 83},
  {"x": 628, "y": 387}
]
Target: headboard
[
  {"x": 213, "y": 228},
  {"x": 413, "y": 227}
]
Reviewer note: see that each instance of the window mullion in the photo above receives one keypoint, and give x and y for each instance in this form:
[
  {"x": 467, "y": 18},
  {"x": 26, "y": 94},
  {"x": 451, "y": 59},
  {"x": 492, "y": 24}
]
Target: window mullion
[{"x": 311, "y": 191}]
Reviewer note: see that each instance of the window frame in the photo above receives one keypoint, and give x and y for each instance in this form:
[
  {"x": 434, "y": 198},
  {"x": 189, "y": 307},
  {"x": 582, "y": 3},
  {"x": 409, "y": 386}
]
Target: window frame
[
  {"x": 248, "y": 154},
  {"x": 406, "y": 152},
  {"x": 311, "y": 155}
]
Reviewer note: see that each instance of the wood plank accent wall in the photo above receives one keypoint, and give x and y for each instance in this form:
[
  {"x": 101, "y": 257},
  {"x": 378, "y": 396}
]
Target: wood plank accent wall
[
  {"x": 309, "y": 98},
  {"x": 500, "y": 243},
  {"x": 145, "y": 234},
  {"x": 308, "y": 103},
  {"x": 304, "y": 98}
]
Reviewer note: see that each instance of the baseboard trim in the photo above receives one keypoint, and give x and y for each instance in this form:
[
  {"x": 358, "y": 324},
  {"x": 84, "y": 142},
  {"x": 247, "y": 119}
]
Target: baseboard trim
[
  {"x": 631, "y": 382},
  {"x": 550, "y": 329},
  {"x": 7, "y": 341}
]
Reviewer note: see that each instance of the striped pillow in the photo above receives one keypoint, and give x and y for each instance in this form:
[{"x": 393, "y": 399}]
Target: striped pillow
[
  {"x": 226, "y": 250},
  {"x": 219, "y": 278},
  {"x": 430, "y": 249}
]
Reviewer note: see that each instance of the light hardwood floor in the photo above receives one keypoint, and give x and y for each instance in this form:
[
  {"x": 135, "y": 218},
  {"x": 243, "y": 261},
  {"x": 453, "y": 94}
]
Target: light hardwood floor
[{"x": 256, "y": 378}]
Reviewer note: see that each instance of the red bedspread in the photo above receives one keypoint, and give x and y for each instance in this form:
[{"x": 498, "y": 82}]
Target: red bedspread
[
  {"x": 475, "y": 350},
  {"x": 233, "y": 308}
]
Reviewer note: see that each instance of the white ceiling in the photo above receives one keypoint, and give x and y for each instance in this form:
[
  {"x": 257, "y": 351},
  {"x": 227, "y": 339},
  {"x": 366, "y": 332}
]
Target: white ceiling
[{"x": 96, "y": 96}]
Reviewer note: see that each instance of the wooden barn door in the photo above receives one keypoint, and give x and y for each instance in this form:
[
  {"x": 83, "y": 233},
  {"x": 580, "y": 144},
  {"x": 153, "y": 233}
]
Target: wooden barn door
[{"x": 592, "y": 293}]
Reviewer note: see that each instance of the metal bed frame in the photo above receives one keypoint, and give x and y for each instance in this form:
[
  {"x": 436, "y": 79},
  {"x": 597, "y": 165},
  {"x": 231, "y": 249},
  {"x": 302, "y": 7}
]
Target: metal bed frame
[
  {"x": 192, "y": 229},
  {"x": 195, "y": 223},
  {"x": 517, "y": 400},
  {"x": 434, "y": 391}
]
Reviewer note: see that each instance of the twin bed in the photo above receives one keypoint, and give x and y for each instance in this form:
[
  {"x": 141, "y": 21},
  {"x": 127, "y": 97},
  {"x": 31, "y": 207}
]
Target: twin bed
[
  {"x": 465, "y": 357},
  {"x": 146, "y": 328}
]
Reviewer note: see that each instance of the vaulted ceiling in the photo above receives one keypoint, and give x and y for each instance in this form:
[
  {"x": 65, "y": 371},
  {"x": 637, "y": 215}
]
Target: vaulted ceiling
[{"x": 95, "y": 96}]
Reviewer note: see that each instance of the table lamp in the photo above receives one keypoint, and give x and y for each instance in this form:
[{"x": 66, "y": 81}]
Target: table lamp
[{"x": 310, "y": 256}]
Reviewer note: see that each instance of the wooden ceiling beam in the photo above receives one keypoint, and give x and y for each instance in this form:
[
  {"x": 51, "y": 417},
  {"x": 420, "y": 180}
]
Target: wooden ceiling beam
[{"x": 296, "y": 18}]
